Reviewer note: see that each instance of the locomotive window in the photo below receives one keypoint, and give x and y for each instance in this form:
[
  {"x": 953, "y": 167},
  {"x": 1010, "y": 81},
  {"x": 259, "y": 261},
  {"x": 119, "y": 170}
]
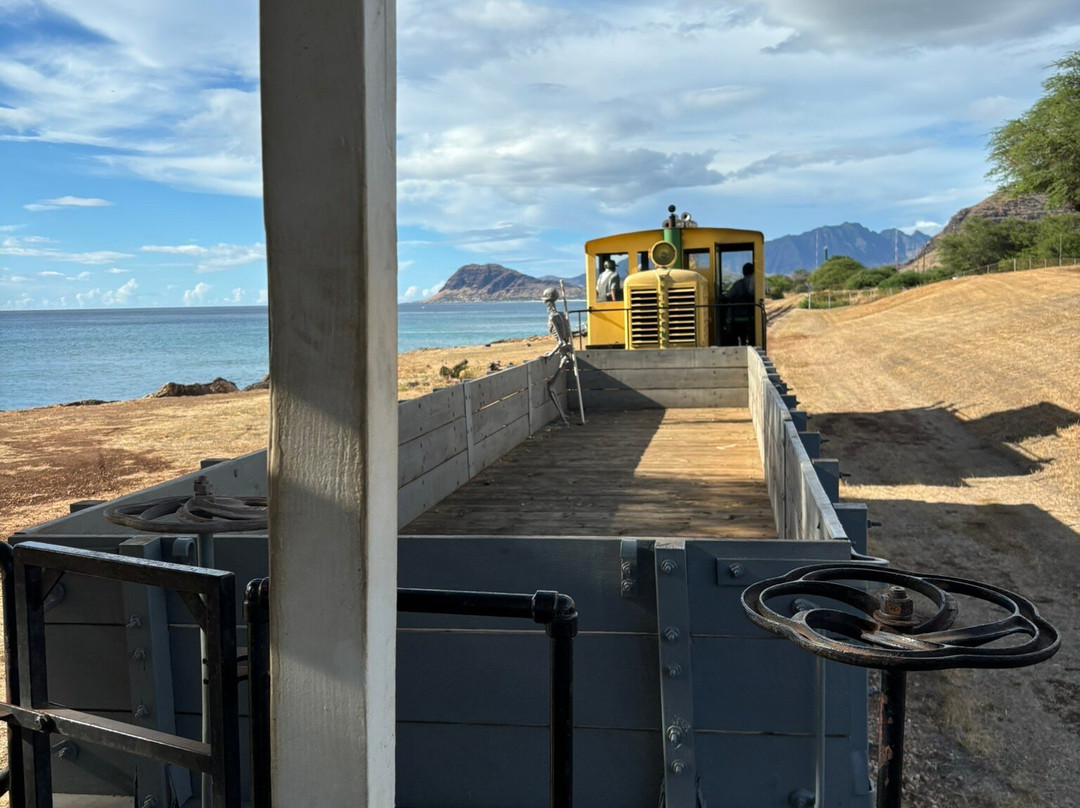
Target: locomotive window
[
  {"x": 731, "y": 263},
  {"x": 644, "y": 262},
  {"x": 698, "y": 259},
  {"x": 622, "y": 264}
]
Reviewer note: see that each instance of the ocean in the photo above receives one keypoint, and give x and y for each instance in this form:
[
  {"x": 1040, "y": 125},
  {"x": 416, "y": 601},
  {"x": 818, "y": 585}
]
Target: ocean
[{"x": 53, "y": 357}]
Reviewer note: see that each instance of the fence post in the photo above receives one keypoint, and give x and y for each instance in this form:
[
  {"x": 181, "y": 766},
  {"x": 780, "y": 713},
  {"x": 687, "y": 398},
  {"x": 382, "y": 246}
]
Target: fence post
[{"x": 1014, "y": 265}]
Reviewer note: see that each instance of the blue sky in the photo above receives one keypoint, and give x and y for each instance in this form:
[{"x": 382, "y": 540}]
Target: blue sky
[{"x": 130, "y": 155}]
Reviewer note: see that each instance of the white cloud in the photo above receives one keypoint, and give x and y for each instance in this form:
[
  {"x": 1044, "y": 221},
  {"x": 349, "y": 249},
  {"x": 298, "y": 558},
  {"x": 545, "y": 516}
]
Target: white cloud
[
  {"x": 217, "y": 258},
  {"x": 15, "y": 246},
  {"x": 412, "y": 293},
  {"x": 68, "y": 202},
  {"x": 403, "y": 265},
  {"x": 236, "y": 296},
  {"x": 124, "y": 294},
  {"x": 117, "y": 271},
  {"x": 263, "y": 298},
  {"x": 196, "y": 295},
  {"x": 52, "y": 273}
]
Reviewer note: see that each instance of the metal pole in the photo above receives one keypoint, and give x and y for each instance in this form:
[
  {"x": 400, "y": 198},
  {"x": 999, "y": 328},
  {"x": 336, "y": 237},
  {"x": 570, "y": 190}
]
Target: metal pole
[
  {"x": 573, "y": 356},
  {"x": 891, "y": 743},
  {"x": 819, "y": 725},
  {"x": 205, "y": 544},
  {"x": 257, "y": 614},
  {"x": 14, "y": 790}
]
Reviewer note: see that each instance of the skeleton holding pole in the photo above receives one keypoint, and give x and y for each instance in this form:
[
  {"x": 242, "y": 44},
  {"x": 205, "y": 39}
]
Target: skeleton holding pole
[{"x": 559, "y": 325}]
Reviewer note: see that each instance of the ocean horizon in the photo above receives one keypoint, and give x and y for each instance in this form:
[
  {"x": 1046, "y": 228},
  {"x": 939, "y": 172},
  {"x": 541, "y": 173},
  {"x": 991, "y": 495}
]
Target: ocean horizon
[{"x": 58, "y": 356}]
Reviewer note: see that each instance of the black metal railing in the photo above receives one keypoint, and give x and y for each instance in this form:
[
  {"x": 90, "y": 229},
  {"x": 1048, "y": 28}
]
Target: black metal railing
[
  {"x": 30, "y": 571},
  {"x": 557, "y": 613}
]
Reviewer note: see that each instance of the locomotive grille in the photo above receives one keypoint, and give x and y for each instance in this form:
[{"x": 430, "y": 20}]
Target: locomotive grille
[
  {"x": 644, "y": 318},
  {"x": 682, "y": 316}
]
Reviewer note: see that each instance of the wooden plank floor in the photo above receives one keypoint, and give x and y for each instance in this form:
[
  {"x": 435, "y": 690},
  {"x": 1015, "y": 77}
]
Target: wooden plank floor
[{"x": 641, "y": 473}]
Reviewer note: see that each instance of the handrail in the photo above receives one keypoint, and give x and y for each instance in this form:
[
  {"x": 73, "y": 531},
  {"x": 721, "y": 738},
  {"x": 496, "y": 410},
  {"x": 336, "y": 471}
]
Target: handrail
[{"x": 554, "y": 611}]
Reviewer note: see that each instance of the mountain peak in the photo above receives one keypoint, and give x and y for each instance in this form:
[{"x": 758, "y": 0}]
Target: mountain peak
[{"x": 482, "y": 282}]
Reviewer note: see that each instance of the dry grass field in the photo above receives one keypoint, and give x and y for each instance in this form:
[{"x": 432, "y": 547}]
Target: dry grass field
[{"x": 956, "y": 408}]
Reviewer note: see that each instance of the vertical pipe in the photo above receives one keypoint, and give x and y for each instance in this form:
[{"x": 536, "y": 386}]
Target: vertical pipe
[
  {"x": 11, "y": 677},
  {"x": 819, "y": 726},
  {"x": 204, "y": 542},
  {"x": 562, "y": 631},
  {"x": 257, "y": 614},
  {"x": 891, "y": 743}
]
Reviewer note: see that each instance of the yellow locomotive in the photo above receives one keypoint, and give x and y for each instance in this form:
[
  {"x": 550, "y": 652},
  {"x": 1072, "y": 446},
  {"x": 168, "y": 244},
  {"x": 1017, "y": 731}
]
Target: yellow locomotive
[{"x": 672, "y": 294}]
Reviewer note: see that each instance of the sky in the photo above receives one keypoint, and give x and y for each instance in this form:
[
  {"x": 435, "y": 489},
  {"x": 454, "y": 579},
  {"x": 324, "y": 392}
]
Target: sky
[{"x": 130, "y": 171}]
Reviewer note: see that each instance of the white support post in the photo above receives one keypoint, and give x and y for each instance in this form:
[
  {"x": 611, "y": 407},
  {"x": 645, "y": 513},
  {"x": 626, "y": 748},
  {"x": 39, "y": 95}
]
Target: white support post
[{"x": 328, "y": 117}]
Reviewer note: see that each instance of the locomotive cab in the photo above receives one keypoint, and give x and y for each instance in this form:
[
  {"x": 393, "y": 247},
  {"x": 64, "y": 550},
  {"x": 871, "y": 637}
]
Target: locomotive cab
[{"x": 674, "y": 284}]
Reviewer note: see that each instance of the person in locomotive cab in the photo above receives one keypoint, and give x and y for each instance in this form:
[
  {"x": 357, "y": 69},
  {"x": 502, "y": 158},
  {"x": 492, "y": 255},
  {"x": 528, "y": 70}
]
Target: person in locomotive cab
[
  {"x": 609, "y": 284},
  {"x": 741, "y": 312}
]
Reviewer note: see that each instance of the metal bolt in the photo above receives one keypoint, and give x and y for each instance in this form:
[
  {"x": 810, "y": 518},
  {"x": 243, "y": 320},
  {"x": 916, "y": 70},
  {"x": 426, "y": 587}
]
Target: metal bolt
[
  {"x": 897, "y": 609},
  {"x": 674, "y": 734},
  {"x": 66, "y": 750},
  {"x": 667, "y": 566},
  {"x": 627, "y": 586},
  {"x": 801, "y": 798},
  {"x": 671, "y": 634},
  {"x": 626, "y": 567},
  {"x": 150, "y": 802},
  {"x": 678, "y": 766},
  {"x": 134, "y": 622},
  {"x": 139, "y": 654},
  {"x": 673, "y": 671},
  {"x": 142, "y": 711},
  {"x": 736, "y": 570}
]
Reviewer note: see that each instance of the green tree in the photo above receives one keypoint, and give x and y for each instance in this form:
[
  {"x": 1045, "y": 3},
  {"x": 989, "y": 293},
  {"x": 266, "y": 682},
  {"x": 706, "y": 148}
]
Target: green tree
[
  {"x": 800, "y": 280},
  {"x": 981, "y": 241},
  {"x": 834, "y": 273},
  {"x": 778, "y": 285},
  {"x": 1039, "y": 152},
  {"x": 869, "y": 278}
]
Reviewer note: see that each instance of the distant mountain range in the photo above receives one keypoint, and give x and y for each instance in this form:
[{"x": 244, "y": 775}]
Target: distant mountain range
[
  {"x": 807, "y": 250},
  {"x": 479, "y": 282}
]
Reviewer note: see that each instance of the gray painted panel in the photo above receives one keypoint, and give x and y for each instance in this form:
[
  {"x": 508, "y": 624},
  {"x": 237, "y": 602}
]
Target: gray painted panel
[
  {"x": 187, "y": 672},
  {"x": 421, "y": 415},
  {"x": 488, "y": 390},
  {"x": 496, "y": 767},
  {"x": 744, "y": 684},
  {"x": 436, "y": 446},
  {"x": 586, "y": 569},
  {"x": 672, "y": 358},
  {"x": 488, "y": 450},
  {"x": 715, "y": 606},
  {"x": 501, "y": 678},
  {"x": 675, "y": 398},
  {"x": 88, "y": 667},
  {"x": 663, "y": 378},
  {"x": 492, "y": 418},
  {"x": 761, "y": 771},
  {"x": 425, "y": 491}
]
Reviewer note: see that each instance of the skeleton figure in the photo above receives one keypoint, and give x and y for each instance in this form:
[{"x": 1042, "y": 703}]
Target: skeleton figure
[{"x": 560, "y": 327}]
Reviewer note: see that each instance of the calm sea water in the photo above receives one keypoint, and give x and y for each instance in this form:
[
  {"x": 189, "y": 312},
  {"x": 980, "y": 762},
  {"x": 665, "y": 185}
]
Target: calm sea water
[{"x": 50, "y": 357}]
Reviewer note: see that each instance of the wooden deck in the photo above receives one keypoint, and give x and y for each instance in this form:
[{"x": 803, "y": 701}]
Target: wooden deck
[{"x": 693, "y": 473}]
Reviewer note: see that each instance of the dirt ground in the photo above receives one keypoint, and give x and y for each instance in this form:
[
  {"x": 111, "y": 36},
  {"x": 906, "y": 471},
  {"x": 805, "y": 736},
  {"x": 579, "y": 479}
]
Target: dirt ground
[{"x": 956, "y": 409}]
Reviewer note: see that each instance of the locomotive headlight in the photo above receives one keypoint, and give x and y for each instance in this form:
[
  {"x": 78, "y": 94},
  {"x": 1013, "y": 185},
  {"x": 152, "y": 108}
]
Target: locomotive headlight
[{"x": 663, "y": 254}]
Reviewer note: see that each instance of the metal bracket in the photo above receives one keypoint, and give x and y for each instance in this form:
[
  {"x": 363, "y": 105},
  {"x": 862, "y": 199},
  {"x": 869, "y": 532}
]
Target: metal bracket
[
  {"x": 628, "y": 568},
  {"x": 676, "y": 681}
]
